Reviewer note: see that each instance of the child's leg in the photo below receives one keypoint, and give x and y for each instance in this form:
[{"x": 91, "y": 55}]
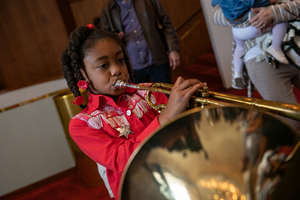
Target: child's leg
[
  {"x": 278, "y": 31},
  {"x": 238, "y": 63},
  {"x": 238, "y": 53},
  {"x": 240, "y": 35}
]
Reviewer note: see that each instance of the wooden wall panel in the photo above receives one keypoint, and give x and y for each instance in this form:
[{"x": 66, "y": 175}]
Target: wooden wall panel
[
  {"x": 179, "y": 10},
  {"x": 33, "y": 37},
  {"x": 84, "y": 11},
  {"x": 193, "y": 35},
  {"x": 194, "y": 40}
]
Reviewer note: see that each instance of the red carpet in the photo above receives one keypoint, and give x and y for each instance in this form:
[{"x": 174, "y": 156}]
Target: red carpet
[
  {"x": 67, "y": 188},
  {"x": 70, "y": 187}
]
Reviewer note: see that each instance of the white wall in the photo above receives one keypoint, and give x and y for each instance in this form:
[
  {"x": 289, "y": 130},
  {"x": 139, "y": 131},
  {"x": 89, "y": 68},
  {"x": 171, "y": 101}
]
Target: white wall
[
  {"x": 27, "y": 93},
  {"x": 221, "y": 39},
  {"x": 33, "y": 145}
]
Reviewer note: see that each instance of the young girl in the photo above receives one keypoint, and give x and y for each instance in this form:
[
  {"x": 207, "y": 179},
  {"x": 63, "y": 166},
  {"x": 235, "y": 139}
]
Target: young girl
[
  {"x": 115, "y": 120},
  {"x": 236, "y": 12}
]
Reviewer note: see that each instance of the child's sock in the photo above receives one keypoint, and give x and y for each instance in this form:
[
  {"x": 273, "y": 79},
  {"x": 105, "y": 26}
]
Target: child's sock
[
  {"x": 278, "y": 32},
  {"x": 238, "y": 64},
  {"x": 238, "y": 53},
  {"x": 238, "y": 74}
]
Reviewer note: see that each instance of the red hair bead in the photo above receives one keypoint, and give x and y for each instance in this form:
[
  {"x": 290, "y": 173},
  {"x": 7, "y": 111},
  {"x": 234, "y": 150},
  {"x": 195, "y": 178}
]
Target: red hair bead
[
  {"x": 91, "y": 26},
  {"x": 79, "y": 100}
]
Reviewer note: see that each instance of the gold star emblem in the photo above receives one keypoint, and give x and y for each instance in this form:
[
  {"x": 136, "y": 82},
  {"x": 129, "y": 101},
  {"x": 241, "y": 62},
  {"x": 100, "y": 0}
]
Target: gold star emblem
[{"x": 124, "y": 131}]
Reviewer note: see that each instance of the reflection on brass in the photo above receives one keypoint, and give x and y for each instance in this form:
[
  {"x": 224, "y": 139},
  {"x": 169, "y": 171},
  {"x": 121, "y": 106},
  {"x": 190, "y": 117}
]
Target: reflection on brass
[
  {"x": 33, "y": 100},
  {"x": 205, "y": 97},
  {"x": 225, "y": 153}
]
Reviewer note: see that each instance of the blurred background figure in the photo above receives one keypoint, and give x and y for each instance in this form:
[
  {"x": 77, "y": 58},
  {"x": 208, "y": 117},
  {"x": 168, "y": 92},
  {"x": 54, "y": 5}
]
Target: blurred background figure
[
  {"x": 236, "y": 12},
  {"x": 148, "y": 34},
  {"x": 273, "y": 83}
]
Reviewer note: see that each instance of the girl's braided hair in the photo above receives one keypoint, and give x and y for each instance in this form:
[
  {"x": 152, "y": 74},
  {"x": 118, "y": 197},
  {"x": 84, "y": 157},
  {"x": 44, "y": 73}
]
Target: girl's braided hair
[{"x": 82, "y": 39}]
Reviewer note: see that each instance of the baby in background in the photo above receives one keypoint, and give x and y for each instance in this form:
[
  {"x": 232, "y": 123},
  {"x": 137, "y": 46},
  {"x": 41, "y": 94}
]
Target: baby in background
[{"x": 237, "y": 12}]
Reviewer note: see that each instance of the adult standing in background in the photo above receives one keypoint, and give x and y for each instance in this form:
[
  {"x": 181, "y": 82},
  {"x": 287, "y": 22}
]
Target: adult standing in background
[
  {"x": 148, "y": 34},
  {"x": 273, "y": 84}
]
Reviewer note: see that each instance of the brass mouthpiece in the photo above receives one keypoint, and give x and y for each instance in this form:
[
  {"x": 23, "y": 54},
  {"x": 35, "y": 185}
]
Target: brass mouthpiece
[{"x": 120, "y": 84}]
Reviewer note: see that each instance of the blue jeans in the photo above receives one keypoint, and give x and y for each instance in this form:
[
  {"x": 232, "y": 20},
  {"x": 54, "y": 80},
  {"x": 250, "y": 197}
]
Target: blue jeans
[{"x": 154, "y": 73}]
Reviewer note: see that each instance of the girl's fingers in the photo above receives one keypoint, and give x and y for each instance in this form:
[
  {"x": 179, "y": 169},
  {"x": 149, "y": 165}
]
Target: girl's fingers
[
  {"x": 186, "y": 88},
  {"x": 188, "y": 83},
  {"x": 191, "y": 90},
  {"x": 178, "y": 81},
  {"x": 178, "y": 85},
  {"x": 188, "y": 92},
  {"x": 179, "y": 97}
]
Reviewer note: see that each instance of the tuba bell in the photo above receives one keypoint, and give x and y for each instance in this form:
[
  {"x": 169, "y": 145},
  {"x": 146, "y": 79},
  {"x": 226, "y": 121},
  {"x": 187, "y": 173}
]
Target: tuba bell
[{"x": 218, "y": 151}]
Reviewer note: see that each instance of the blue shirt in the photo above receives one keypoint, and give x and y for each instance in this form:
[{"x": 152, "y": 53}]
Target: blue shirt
[
  {"x": 136, "y": 44},
  {"x": 232, "y": 9}
]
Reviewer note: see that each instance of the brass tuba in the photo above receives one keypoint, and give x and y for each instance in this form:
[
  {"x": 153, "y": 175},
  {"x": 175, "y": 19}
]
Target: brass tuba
[
  {"x": 204, "y": 98},
  {"x": 220, "y": 152}
]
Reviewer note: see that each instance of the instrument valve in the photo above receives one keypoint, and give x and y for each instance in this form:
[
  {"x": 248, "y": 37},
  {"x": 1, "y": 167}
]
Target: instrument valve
[{"x": 205, "y": 93}]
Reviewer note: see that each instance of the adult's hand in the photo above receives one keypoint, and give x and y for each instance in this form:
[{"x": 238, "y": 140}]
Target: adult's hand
[
  {"x": 174, "y": 59},
  {"x": 121, "y": 35},
  {"x": 179, "y": 97},
  {"x": 263, "y": 19}
]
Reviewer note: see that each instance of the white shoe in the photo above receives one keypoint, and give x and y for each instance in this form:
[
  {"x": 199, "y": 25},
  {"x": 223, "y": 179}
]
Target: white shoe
[
  {"x": 275, "y": 54},
  {"x": 239, "y": 82}
]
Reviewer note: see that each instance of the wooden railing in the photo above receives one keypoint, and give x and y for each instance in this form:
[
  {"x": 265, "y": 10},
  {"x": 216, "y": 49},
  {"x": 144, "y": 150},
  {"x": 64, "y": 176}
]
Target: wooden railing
[
  {"x": 179, "y": 26},
  {"x": 34, "y": 99}
]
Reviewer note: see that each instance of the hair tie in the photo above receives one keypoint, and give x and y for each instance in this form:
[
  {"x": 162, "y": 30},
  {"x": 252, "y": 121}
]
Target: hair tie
[
  {"x": 91, "y": 26},
  {"x": 78, "y": 100},
  {"x": 82, "y": 84}
]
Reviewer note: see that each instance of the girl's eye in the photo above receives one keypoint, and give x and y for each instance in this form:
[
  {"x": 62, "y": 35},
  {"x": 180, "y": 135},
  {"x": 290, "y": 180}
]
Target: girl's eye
[
  {"x": 102, "y": 66},
  {"x": 121, "y": 60}
]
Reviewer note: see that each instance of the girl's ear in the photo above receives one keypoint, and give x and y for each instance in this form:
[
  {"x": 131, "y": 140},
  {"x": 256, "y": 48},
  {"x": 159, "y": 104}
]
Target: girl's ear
[
  {"x": 84, "y": 75},
  {"x": 86, "y": 79}
]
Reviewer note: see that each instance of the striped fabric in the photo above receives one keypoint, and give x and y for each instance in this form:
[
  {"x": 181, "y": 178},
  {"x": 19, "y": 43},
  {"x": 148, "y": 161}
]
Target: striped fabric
[{"x": 287, "y": 11}]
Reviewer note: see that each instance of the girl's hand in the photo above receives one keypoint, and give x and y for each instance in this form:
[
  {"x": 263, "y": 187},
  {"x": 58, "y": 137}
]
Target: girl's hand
[
  {"x": 263, "y": 18},
  {"x": 179, "y": 98}
]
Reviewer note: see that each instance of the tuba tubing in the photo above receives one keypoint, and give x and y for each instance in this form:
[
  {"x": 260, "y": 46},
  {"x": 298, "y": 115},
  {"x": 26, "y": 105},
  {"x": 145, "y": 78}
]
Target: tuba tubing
[{"x": 205, "y": 97}]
